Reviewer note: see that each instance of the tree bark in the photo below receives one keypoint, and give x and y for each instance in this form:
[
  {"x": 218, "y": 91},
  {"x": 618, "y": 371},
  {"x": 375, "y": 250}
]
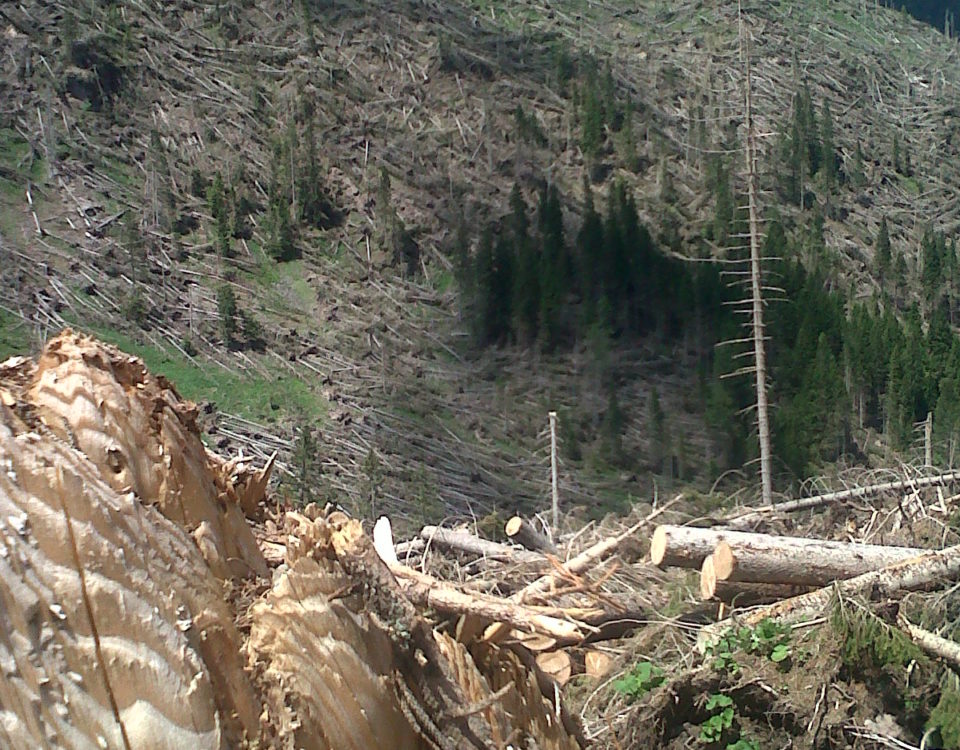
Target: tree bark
[
  {"x": 908, "y": 575},
  {"x": 464, "y": 541},
  {"x": 932, "y": 643},
  {"x": 428, "y": 591},
  {"x": 761, "y": 558},
  {"x": 683, "y": 546},
  {"x": 742, "y": 594},
  {"x": 525, "y": 533},
  {"x": 756, "y": 286}
]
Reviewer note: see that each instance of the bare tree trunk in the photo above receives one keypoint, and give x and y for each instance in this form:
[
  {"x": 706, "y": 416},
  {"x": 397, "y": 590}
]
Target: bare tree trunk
[
  {"x": 523, "y": 532},
  {"x": 760, "y": 363},
  {"x": 909, "y": 575},
  {"x": 805, "y": 562}
]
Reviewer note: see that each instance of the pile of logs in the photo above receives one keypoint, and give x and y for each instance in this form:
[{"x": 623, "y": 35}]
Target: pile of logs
[
  {"x": 535, "y": 594},
  {"x": 539, "y": 595},
  {"x": 743, "y": 568}
]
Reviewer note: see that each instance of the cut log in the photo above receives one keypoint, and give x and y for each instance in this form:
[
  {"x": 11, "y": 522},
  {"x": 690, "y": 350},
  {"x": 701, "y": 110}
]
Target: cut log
[
  {"x": 908, "y": 575},
  {"x": 765, "y": 558},
  {"x": 597, "y": 664},
  {"x": 464, "y": 541},
  {"x": 556, "y": 664},
  {"x": 761, "y": 558},
  {"x": 523, "y": 532},
  {"x": 574, "y": 566},
  {"x": 742, "y": 594},
  {"x": 683, "y": 546}
]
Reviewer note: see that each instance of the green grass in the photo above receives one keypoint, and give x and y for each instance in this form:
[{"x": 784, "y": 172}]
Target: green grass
[
  {"x": 14, "y": 336},
  {"x": 286, "y": 283},
  {"x": 253, "y": 397}
]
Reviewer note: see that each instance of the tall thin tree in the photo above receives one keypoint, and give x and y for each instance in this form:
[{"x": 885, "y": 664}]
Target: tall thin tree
[{"x": 756, "y": 285}]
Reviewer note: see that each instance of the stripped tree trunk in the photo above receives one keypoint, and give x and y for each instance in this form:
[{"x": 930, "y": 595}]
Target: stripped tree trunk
[
  {"x": 908, "y": 575},
  {"x": 742, "y": 594},
  {"x": 809, "y": 562}
]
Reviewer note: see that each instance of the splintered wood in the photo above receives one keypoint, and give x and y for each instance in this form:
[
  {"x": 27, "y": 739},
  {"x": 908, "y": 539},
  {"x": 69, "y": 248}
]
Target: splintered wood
[{"x": 120, "y": 536}]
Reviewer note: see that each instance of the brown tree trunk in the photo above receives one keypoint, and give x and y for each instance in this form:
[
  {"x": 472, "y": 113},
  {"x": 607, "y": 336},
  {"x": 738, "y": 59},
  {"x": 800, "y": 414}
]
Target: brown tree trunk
[{"x": 761, "y": 558}]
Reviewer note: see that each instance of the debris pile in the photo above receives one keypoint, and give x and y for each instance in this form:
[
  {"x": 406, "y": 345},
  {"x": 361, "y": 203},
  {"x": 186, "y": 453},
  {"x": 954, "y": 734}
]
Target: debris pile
[
  {"x": 151, "y": 597},
  {"x": 138, "y": 609}
]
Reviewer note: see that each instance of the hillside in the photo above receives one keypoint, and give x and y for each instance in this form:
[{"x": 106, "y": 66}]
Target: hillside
[{"x": 119, "y": 120}]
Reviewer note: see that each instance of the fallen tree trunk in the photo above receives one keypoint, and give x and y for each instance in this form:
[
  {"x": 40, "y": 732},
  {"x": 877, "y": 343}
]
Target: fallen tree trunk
[
  {"x": 742, "y": 594},
  {"x": 907, "y": 575},
  {"x": 932, "y": 643},
  {"x": 586, "y": 559},
  {"x": 572, "y": 567},
  {"x": 428, "y": 591},
  {"x": 806, "y": 503},
  {"x": 523, "y": 532},
  {"x": 760, "y": 558},
  {"x": 682, "y": 546},
  {"x": 464, "y": 541}
]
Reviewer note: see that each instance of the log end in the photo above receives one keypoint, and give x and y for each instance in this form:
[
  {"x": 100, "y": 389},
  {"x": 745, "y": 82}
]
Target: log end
[
  {"x": 658, "y": 545},
  {"x": 512, "y": 527},
  {"x": 724, "y": 561},
  {"x": 708, "y": 579}
]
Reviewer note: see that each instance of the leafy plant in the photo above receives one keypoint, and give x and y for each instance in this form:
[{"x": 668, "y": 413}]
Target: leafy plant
[
  {"x": 768, "y": 639},
  {"x": 721, "y": 719},
  {"x": 643, "y": 678},
  {"x": 744, "y": 744}
]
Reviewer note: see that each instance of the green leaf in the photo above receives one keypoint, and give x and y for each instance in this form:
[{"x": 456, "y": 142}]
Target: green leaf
[
  {"x": 718, "y": 700},
  {"x": 780, "y": 652}
]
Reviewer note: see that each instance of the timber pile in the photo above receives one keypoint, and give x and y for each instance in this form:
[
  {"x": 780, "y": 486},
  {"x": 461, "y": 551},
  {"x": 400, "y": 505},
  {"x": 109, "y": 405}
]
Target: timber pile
[{"x": 796, "y": 574}]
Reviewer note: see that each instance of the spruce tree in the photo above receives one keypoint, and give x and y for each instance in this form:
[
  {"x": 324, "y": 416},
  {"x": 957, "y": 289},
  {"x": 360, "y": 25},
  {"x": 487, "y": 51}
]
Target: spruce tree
[
  {"x": 526, "y": 286},
  {"x": 555, "y": 269},
  {"x": 829, "y": 168},
  {"x": 591, "y": 123},
  {"x": 227, "y": 313},
  {"x": 858, "y": 176},
  {"x": 883, "y": 254}
]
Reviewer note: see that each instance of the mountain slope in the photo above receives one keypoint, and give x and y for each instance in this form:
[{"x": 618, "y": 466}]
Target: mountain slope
[{"x": 121, "y": 117}]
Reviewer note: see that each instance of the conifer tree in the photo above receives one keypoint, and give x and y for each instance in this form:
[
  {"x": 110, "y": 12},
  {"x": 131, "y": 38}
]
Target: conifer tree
[
  {"x": 227, "y": 313},
  {"x": 555, "y": 269},
  {"x": 614, "y": 421},
  {"x": 858, "y": 177},
  {"x": 723, "y": 206},
  {"x": 590, "y": 242},
  {"x": 591, "y": 123},
  {"x": 526, "y": 282},
  {"x": 883, "y": 254},
  {"x": 829, "y": 157},
  {"x": 809, "y": 131}
]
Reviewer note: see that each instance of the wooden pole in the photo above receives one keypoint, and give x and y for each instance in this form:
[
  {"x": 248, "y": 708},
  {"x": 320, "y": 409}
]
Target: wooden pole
[
  {"x": 928, "y": 440},
  {"x": 553, "y": 471}
]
